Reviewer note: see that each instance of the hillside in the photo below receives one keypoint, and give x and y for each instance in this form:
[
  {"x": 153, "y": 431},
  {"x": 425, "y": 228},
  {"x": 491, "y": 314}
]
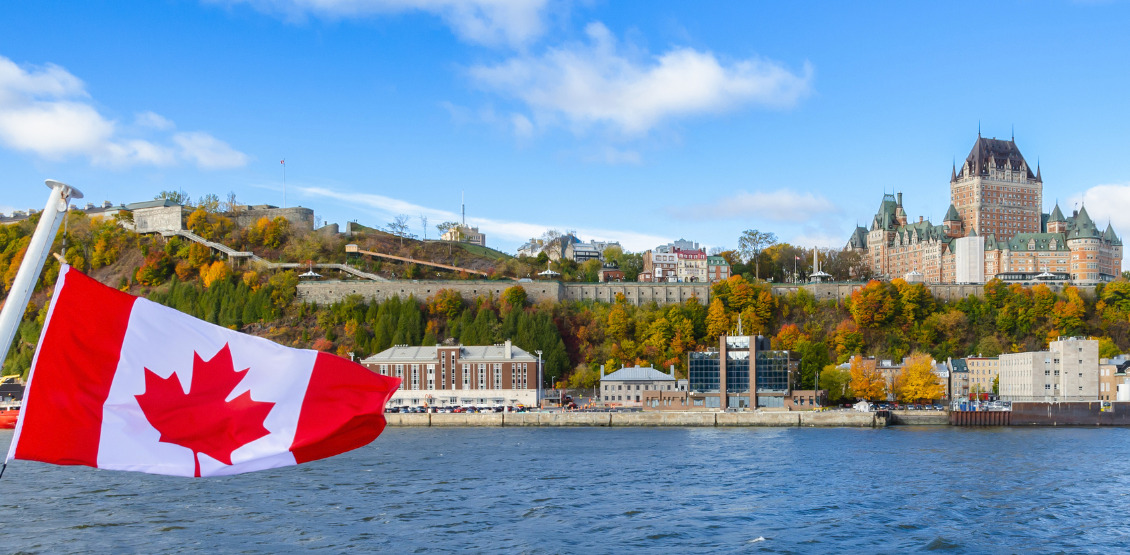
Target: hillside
[{"x": 888, "y": 320}]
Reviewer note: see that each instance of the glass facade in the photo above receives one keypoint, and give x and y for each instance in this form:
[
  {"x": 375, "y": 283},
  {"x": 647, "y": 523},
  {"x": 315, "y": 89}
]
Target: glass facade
[
  {"x": 773, "y": 371},
  {"x": 702, "y": 372},
  {"x": 737, "y": 371}
]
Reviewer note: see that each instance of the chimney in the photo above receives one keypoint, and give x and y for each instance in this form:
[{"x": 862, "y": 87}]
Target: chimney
[
  {"x": 602, "y": 371},
  {"x": 672, "y": 371},
  {"x": 919, "y": 219},
  {"x": 107, "y": 204},
  {"x": 508, "y": 350},
  {"x": 900, "y": 199}
]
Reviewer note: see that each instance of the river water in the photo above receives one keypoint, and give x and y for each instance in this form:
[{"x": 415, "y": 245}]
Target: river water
[{"x": 601, "y": 490}]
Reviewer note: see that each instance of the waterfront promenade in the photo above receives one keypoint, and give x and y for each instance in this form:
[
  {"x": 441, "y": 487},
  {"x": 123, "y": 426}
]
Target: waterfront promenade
[{"x": 833, "y": 419}]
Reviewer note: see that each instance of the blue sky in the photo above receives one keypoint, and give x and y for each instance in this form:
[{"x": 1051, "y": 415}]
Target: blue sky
[{"x": 638, "y": 121}]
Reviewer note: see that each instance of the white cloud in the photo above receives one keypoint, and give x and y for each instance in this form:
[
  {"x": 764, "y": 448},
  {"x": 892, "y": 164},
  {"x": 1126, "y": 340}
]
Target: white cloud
[
  {"x": 513, "y": 231},
  {"x": 1105, "y": 203},
  {"x": 781, "y": 205},
  {"x": 491, "y": 22},
  {"x": 523, "y": 127},
  {"x": 615, "y": 156},
  {"x": 153, "y": 121},
  {"x": 46, "y": 111},
  {"x": 208, "y": 152},
  {"x": 598, "y": 83}
]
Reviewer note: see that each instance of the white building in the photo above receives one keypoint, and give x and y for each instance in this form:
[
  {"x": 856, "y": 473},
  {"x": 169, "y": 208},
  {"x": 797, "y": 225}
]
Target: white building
[
  {"x": 465, "y": 234},
  {"x": 1067, "y": 371},
  {"x": 969, "y": 259}
]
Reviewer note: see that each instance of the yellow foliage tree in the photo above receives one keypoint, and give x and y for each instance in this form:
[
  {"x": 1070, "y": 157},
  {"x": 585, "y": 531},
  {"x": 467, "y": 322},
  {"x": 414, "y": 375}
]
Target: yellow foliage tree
[
  {"x": 717, "y": 321},
  {"x": 217, "y": 272},
  {"x": 867, "y": 382},
  {"x": 917, "y": 381}
]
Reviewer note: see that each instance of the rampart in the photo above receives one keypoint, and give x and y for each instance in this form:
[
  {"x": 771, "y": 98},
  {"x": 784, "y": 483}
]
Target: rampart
[
  {"x": 326, "y": 292},
  {"x": 299, "y": 217}
]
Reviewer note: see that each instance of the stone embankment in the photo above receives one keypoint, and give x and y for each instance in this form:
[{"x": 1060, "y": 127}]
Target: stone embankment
[
  {"x": 643, "y": 419},
  {"x": 920, "y": 418}
]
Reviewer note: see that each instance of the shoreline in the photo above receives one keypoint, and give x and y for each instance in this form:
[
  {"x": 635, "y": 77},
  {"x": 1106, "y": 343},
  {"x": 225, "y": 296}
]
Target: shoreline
[{"x": 642, "y": 419}]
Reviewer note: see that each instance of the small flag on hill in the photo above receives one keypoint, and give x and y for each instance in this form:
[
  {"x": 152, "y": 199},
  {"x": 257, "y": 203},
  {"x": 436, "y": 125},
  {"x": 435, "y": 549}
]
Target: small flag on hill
[{"x": 123, "y": 383}]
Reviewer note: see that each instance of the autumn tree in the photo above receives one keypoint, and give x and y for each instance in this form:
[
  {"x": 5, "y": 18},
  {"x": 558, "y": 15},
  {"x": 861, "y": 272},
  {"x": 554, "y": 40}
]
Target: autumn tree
[
  {"x": 751, "y": 243},
  {"x": 835, "y": 381},
  {"x": 873, "y": 305},
  {"x": 917, "y": 380},
  {"x": 514, "y": 297},
  {"x": 218, "y": 271},
  {"x": 717, "y": 322},
  {"x": 867, "y": 381}
]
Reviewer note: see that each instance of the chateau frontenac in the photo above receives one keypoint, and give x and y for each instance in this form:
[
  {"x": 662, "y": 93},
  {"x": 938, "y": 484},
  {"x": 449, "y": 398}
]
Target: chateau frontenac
[{"x": 995, "y": 227}]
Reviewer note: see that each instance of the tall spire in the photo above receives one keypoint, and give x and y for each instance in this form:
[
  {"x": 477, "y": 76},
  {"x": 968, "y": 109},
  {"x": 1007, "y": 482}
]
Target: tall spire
[
  {"x": 1038, "y": 178},
  {"x": 953, "y": 174}
]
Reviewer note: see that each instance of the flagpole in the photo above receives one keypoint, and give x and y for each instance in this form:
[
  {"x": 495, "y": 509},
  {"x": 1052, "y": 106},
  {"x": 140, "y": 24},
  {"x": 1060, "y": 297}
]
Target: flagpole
[
  {"x": 34, "y": 258},
  {"x": 283, "y": 162}
]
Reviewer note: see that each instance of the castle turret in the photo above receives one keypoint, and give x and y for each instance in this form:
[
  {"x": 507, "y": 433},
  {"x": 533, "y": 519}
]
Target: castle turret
[
  {"x": 1056, "y": 222},
  {"x": 952, "y": 222}
]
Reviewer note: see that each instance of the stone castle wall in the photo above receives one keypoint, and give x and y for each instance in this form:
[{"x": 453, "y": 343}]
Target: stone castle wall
[
  {"x": 326, "y": 292},
  {"x": 299, "y": 217},
  {"x": 158, "y": 218}
]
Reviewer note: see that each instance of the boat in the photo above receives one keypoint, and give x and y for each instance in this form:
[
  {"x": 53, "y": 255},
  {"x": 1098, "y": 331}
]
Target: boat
[
  {"x": 9, "y": 413},
  {"x": 11, "y": 391}
]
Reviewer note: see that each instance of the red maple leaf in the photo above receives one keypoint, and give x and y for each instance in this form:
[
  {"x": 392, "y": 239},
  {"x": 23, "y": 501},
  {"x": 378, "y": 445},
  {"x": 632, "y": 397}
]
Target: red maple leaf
[{"x": 202, "y": 420}]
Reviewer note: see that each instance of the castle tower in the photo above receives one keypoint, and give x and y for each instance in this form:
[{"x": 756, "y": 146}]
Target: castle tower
[
  {"x": 952, "y": 223},
  {"x": 995, "y": 192},
  {"x": 1056, "y": 222},
  {"x": 1085, "y": 241}
]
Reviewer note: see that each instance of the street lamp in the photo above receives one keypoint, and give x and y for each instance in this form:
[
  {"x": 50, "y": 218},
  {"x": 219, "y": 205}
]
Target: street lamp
[{"x": 538, "y": 396}]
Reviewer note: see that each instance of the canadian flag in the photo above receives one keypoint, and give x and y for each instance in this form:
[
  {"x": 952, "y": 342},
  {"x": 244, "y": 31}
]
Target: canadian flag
[{"x": 124, "y": 383}]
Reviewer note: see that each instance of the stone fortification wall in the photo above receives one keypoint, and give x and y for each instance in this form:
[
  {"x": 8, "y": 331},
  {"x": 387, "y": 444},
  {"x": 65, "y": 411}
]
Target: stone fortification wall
[
  {"x": 637, "y": 293},
  {"x": 157, "y": 219},
  {"x": 299, "y": 217},
  {"x": 326, "y": 292}
]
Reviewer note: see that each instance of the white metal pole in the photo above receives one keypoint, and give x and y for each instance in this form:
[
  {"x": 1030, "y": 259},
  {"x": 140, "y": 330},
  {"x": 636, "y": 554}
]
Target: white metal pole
[
  {"x": 34, "y": 258},
  {"x": 538, "y": 396}
]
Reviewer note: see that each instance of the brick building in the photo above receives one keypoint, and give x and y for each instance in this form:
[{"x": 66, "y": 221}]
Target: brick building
[{"x": 459, "y": 375}]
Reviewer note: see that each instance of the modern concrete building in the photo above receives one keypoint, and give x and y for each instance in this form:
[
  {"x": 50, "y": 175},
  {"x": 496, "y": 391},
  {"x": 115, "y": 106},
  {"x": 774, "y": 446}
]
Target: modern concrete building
[
  {"x": 744, "y": 373},
  {"x": 1067, "y": 371},
  {"x": 458, "y": 375},
  {"x": 627, "y": 386}
]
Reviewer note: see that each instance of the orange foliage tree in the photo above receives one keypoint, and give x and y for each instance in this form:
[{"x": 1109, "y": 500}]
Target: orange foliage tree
[{"x": 867, "y": 382}]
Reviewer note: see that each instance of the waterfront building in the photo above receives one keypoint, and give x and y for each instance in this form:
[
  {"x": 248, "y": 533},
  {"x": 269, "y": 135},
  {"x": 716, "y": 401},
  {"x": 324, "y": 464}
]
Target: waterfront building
[
  {"x": 744, "y": 373},
  {"x": 1112, "y": 372},
  {"x": 1067, "y": 371},
  {"x": 994, "y": 227},
  {"x": 959, "y": 378},
  {"x": 459, "y": 375},
  {"x": 626, "y": 387},
  {"x": 983, "y": 372}
]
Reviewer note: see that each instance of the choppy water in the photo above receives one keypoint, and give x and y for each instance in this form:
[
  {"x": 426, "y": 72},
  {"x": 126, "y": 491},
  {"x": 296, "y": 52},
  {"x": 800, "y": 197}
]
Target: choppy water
[{"x": 671, "y": 490}]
